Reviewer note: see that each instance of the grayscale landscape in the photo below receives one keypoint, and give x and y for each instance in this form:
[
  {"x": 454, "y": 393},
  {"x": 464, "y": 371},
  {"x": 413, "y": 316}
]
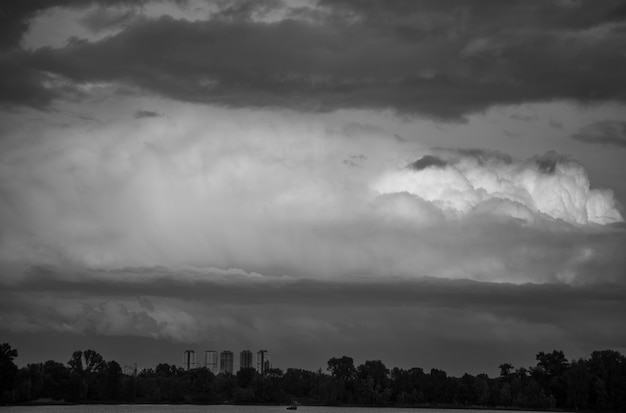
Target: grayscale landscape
[{"x": 365, "y": 198}]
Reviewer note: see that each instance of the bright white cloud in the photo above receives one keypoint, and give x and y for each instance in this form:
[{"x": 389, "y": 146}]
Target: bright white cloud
[{"x": 463, "y": 182}]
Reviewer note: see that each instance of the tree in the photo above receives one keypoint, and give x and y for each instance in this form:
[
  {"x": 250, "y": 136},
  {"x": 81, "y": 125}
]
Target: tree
[
  {"x": 273, "y": 390},
  {"x": 342, "y": 368},
  {"x": 245, "y": 377},
  {"x": 94, "y": 363},
  {"x": 553, "y": 364},
  {"x": 609, "y": 368},
  {"x": 467, "y": 395},
  {"x": 505, "y": 369},
  {"x": 522, "y": 373},
  {"x": 481, "y": 389},
  {"x": 112, "y": 381},
  {"x": 376, "y": 370},
  {"x": 552, "y": 368},
  {"x": 299, "y": 383},
  {"x": 76, "y": 362},
  {"x": 578, "y": 381},
  {"x": 436, "y": 387},
  {"x": 86, "y": 375},
  {"x": 167, "y": 370},
  {"x": 373, "y": 382},
  {"x": 56, "y": 380},
  {"x": 8, "y": 370},
  {"x": 343, "y": 372},
  {"x": 202, "y": 381},
  {"x": 225, "y": 385}
]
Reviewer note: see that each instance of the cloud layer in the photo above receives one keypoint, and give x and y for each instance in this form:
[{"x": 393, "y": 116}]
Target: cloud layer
[
  {"x": 196, "y": 187},
  {"x": 419, "y": 57},
  {"x": 412, "y": 319}
]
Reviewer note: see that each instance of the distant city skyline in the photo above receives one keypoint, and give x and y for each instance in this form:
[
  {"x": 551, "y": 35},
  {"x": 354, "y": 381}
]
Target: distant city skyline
[{"x": 223, "y": 361}]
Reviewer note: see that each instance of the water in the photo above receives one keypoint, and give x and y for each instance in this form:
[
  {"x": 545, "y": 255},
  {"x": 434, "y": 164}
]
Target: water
[{"x": 186, "y": 408}]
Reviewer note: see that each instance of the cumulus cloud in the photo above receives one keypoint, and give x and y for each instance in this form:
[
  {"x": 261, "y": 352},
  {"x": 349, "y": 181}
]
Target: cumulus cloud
[{"x": 462, "y": 182}]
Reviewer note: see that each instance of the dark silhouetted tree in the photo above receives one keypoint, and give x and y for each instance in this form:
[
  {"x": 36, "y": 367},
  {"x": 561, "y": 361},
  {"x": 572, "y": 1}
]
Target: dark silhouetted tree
[
  {"x": 56, "y": 380},
  {"x": 342, "y": 368},
  {"x": 595, "y": 384},
  {"x": 578, "y": 385},
  {"x": 608, "y": 367},
  {"x": 553, "y": 364},
  {"x": 8, "y": 371},
  {"x": 344, "y": 373},
  {"x": 245, "y": 377},
  {"x": 300, "y": 383},
  {"x": 167, "y": 370},
  {"x": 112, "y": 381},
  {"x": 373, "y": 383},
  {"x": 551, "y": 368},
  {"x": 505, "y": 369},
  {"x": 86, "y": 379}
]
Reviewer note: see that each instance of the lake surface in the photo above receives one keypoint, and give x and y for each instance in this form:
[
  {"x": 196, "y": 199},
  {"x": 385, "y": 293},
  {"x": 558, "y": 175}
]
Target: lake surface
[{"x": 164, "y": 408}]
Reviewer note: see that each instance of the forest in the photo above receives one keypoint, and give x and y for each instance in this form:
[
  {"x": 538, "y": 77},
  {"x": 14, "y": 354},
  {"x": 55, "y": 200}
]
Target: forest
[{"x": 597, "y": 383}]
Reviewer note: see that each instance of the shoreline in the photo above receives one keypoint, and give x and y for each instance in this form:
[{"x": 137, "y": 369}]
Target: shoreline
[{"x": 300, "y": 405}]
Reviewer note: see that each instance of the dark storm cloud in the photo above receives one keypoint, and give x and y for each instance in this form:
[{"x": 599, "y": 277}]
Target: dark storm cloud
[
  {"x": 15, "y": 16},
  {"x": 21, "y": 84},
  {"x": 527, "y": 301},
  {"x": 608, "y": 132},
  {"x": 423, "y": 313},
  {"x": 440, "y": 59}
]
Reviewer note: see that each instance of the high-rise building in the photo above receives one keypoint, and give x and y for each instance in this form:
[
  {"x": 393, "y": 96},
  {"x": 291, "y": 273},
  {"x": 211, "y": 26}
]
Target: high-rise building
[
  {"x": 210, "y": 361},
  {"x": 226, "y": 362},
  {"x": 263, "y": 361},
  {"x": 245, "y": 359},
  {"x": 189, "y": 359}
]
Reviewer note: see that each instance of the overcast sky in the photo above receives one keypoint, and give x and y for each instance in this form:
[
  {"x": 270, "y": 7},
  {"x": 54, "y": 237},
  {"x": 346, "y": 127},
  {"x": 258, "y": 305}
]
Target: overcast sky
[{"x": 427, "y": 183}]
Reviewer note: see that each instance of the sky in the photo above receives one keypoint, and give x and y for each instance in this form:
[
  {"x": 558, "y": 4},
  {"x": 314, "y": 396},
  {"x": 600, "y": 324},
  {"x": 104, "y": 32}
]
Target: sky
[{"x": 435, "y": 184}]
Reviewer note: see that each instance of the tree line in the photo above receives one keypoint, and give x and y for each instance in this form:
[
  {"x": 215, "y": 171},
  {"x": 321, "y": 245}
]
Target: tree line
[{"x": 596, "y": 383}]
